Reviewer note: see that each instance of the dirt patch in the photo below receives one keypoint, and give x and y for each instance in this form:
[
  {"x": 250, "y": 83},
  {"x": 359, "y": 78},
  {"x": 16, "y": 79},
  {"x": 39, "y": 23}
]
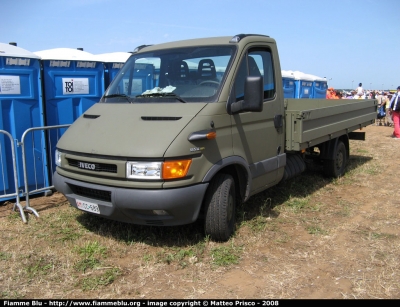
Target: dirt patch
[{"x": 310, "y": 238}]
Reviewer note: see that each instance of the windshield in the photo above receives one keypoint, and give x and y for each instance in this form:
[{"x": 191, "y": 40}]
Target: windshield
[{"x": 192, "y": 74}]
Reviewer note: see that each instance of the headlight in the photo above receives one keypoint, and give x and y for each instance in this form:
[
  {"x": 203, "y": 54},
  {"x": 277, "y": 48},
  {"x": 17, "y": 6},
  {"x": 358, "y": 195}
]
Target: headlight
[
  {"x": 157, "y": 170},
  {"x": 143, "y": 170},
  {"x": 58, "y": 158}
]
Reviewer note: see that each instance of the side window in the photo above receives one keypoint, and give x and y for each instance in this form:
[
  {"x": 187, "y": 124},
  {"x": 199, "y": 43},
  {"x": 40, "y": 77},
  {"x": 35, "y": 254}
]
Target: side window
[
  {"x": 240, "y": 80},
  {"x": 258, "y": 62}
]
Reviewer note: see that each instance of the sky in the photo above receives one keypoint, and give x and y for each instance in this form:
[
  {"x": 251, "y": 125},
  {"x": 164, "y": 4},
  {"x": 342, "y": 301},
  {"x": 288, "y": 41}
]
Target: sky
[{"x": 346, "y": 41}]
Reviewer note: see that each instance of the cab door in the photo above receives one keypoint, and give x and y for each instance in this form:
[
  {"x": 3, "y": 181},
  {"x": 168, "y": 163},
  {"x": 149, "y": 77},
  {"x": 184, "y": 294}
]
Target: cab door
[{"x": 259, "y": 136}]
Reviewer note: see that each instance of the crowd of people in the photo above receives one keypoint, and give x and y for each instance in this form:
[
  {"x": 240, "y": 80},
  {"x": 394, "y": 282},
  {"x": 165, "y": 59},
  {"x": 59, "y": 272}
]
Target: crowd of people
[{"x": 388, "y": 104}]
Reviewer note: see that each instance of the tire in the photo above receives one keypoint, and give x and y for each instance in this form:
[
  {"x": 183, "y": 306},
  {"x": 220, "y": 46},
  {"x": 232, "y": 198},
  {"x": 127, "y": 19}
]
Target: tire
[
  {"x": 220, "y": 205},
  {"x": 335, "y": 168},
  {"x": 290, "y": 169},
  {"x": 300, "y": 163},
  {"x": 294, "y": 166}
]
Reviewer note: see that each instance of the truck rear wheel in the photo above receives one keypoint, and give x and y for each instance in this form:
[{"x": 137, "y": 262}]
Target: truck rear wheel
[
  {"x": 220, "y": 204},
  {"x": 336, "y": 167}
]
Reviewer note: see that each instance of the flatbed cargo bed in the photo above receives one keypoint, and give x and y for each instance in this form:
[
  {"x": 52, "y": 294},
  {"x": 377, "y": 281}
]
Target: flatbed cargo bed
[{"x": 312, "y": 121}]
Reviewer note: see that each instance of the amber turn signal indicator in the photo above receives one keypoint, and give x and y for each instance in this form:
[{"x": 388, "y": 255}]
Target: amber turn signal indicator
[
  {"x": 211, "y": 135},
  {"x": 175, "y": 169}
]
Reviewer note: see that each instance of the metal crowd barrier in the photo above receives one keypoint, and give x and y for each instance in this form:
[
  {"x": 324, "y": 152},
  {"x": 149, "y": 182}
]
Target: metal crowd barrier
[
  {"x": 48, "y": 168},
  {"x": 14, "y": 164}
]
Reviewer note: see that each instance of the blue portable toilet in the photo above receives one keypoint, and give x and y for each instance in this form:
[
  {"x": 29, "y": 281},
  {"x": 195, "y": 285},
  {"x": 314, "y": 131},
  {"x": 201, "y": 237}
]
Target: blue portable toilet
[
  {"x": 288, "y": 84},
  {"x": 21, "y": 108},
  {"x": 73, "y": 81},
  {"x": 113, "y": 62},
  {"x": 303, "y": 84},
  {"x": 320, "y": 86}
]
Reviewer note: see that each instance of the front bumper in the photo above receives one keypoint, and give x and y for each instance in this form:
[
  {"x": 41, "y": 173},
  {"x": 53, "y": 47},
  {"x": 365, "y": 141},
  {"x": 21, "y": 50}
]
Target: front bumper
[{"x": 179, "y": 206}]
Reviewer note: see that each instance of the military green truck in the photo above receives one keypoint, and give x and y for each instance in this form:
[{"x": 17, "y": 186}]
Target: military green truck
[{"x": 188, "y": 129}]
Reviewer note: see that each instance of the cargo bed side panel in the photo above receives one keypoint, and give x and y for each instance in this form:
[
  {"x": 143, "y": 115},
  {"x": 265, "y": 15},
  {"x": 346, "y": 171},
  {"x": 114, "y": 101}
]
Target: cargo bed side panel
[{"x": 313, "y": 121}]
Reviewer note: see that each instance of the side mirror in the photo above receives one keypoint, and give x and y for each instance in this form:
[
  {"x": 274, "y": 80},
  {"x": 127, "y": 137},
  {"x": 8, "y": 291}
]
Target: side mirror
[{"x": 253, "y": 96}]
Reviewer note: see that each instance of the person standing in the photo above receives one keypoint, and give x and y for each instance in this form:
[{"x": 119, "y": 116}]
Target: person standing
[
  {"x": 378, "y": 96},
  {"x": 360, "y": 90},
  {"x": 330, "y": 93},
  {"x": 379, "y": 117},
  {"x": 386, "y": 101},
  {"x": 395, "y": 111}
]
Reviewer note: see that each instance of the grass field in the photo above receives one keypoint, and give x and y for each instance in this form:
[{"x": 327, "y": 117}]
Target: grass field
[{"x": 312, "y": 237}]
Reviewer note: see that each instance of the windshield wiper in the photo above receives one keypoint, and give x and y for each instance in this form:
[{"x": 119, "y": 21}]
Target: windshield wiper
[
  {"x": 173, "y": 95},
  {"x": 117, "y": 96}
]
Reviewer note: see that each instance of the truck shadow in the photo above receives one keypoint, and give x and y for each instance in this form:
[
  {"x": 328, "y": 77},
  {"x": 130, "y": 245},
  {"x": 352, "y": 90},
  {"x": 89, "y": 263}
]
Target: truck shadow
[
  {"x": 261, "y": 205},
  {"x": 265, "y": 203}
]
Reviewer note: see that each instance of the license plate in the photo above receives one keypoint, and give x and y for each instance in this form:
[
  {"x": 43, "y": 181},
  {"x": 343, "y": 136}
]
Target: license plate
[{"x": 87, "y": 206}]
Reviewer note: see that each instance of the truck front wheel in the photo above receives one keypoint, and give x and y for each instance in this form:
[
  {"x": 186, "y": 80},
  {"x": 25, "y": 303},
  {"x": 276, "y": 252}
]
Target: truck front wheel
[
  {"x": 336, "y": 167},
  {"x": 220, "y": 203}
]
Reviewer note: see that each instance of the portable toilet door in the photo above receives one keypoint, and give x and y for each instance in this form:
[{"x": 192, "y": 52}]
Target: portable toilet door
[
  {"x": 21, "y": 108},
  {"x": 288, "y": 84},
  {"x": 73, "y": 82},
  {"x": 320, "y": 86},
  {"x": 113, "y": 62},
  {"x": 303, "y": 84}
]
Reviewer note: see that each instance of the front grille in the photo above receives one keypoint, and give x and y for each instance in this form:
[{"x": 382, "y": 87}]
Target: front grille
[
  {"x": 91, "y": 193},
  {"x": 99, "y": 167}
]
